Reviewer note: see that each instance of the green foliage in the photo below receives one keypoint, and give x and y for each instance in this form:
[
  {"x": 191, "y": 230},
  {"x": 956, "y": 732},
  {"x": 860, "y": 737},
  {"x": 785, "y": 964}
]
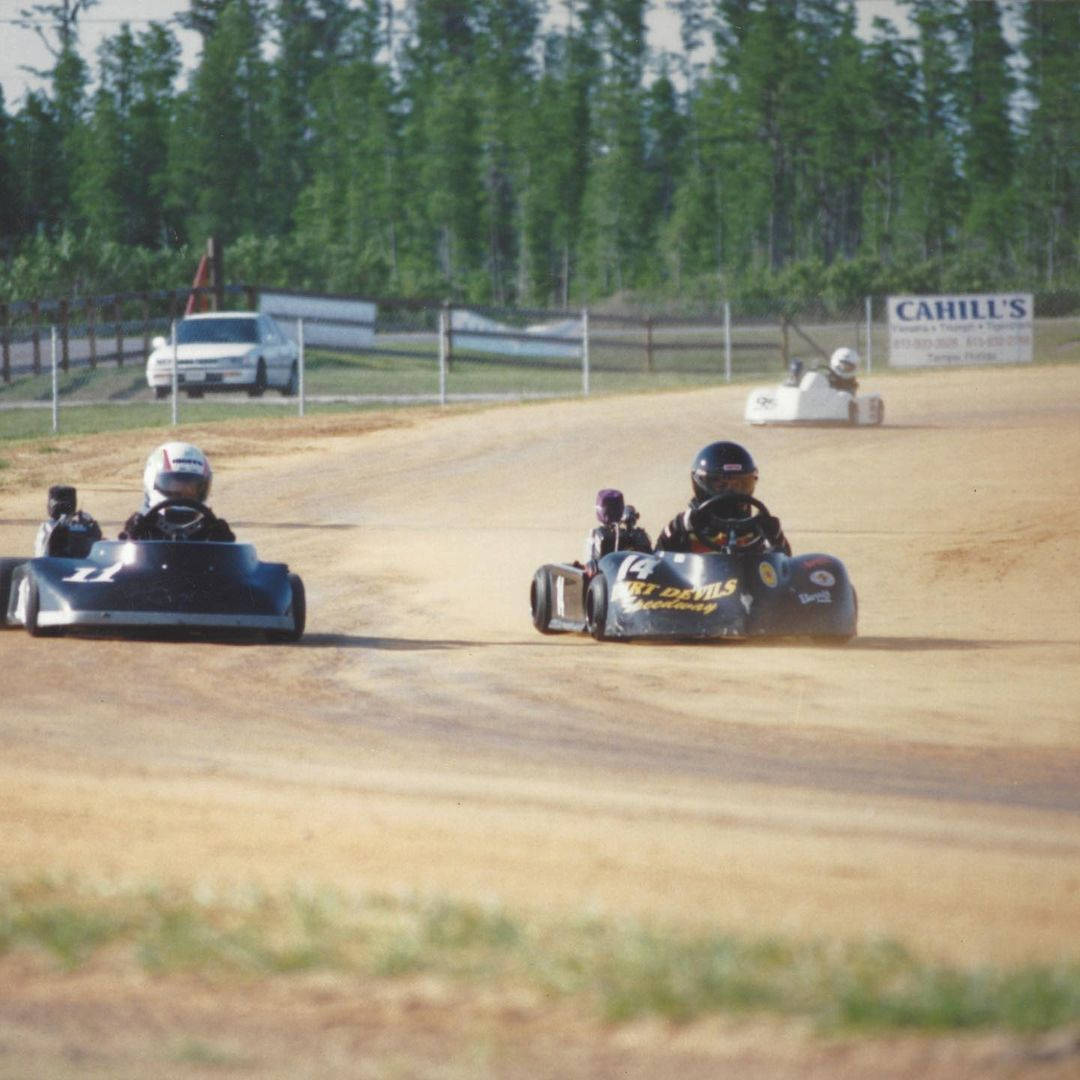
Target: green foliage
[{"x": 466, "y": 148}]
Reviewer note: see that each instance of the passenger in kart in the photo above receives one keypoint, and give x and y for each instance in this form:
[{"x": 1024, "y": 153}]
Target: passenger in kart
[
  {"x": 722, "y": 468},
  {"x": 618, "y": 529},
  {"x": 67, "y": 532},
  {"x": 843, "y": 365},
  {"x": 176, "y": 470}
]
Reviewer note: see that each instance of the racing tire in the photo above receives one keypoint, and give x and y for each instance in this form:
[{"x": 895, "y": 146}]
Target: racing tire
[
  {"x": 596, "y": 605},
  {"x": 7, "y": 567},
  {"x": 540, "y": 601},
  {"x": 258, "y": 387},
  {"x": 852, "y": 413},
  {"x": 33, "y": 611},
  {"x": 299, "y": 611},
  {"x": 292, "y": 387}
]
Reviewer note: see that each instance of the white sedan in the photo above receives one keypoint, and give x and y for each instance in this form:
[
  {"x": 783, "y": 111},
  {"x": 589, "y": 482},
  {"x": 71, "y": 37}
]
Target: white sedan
[{"x": 225, "y": 350}]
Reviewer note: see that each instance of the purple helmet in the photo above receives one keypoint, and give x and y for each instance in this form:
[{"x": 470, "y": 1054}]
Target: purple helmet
[{"x": 609, "y": 506}]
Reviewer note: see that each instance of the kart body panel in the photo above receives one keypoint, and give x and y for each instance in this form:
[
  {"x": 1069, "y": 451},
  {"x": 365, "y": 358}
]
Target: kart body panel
[{"x": 812, "y": 401}]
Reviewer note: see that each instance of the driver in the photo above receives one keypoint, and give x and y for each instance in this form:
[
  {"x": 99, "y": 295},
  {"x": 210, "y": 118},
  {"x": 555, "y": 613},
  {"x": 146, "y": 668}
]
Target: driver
[
  {"x": 176, "y": 470},
  {"x": 722, "y": 468},
  {"x": 843, "y": 366}
]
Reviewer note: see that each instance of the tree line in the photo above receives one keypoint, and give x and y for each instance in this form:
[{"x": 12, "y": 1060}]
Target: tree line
[{"x": 479, "y": 150}]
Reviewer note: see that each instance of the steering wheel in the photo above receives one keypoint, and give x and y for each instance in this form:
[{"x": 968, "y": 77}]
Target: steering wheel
[
  {"x": 715, "y": 516},
  {"x": 155, "y": 518}
]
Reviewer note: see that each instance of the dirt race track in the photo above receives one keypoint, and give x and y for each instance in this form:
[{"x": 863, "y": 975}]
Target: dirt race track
[{"x": 921, "y": 783}]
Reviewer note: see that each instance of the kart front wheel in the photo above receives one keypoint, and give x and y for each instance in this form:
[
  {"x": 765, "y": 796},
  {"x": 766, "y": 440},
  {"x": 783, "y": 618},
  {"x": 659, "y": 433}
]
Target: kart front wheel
[
  {"x": 33, "y": 612},
  {"x": 540, "y": 601},
  {"x": 596, "y": 605}
]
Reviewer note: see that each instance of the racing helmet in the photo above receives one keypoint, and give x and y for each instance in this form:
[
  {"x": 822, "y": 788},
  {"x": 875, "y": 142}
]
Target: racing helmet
[
  {"x": 176, "y": 470},
  {"x": 844, "y": 362},
  {"x": 721, "y": 468}
]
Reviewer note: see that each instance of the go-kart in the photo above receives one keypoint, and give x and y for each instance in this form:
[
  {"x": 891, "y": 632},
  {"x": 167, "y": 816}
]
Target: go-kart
[
  {"x": 810, "y": 398},
  {"x": 734, "y": 591},
  {"x": 175, "y": 585}
]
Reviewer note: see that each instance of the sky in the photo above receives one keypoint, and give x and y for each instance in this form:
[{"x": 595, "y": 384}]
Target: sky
[{"x": 21, "y": 48}]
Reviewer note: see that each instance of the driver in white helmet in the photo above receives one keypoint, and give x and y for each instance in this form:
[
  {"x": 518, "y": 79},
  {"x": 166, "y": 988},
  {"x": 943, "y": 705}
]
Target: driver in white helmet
[
  {"x": 843, "y": 366},
  {"x": 176, "y": 485}
]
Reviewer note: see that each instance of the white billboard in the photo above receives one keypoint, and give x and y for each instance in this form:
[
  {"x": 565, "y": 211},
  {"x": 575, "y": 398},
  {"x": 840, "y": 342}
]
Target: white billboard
[
  {"x": 958, "y": 329},
  {"x": 495, "y": 337}
]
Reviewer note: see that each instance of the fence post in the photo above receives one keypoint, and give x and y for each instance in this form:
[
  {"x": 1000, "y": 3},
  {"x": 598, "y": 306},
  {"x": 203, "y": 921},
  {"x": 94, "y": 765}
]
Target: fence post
[
  {"x": 35, "y": 334},
  {"x": 55, "y": 386},
  {"x": 65, "y": 356},
  {"x": 444, "y": 349},
  {"x": 585, "y": 352},
  {"x": 119, "y": 332},
  {"x": 5, "y": 333},
  {"x": 649, "y": 344},
  {"x": 146, "y": 325},
  {"x": 727, "y": 341},
  {"x": 300, "y": 361},
  {"x": 175, "y": 379},
  {"x": 784, "y": 344},
  {"x": 869, "y": 333},
  {"x": 91, "y": 330}
]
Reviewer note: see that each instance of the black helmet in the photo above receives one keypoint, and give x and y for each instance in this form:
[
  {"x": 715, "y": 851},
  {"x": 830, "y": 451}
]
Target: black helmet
[{"x": 723, "y": 467}]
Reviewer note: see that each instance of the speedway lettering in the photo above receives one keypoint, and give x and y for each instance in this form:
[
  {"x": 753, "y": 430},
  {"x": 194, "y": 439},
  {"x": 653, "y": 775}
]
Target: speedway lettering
[{"x": 651, "y": 596}]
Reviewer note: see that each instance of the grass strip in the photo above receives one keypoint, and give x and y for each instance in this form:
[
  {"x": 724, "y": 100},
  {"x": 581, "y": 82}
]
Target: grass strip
[{"x": 622, "y": 970}]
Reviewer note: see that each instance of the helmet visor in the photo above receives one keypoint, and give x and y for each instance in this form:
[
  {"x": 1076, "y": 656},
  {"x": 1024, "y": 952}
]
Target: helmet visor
[
  {"x": 181, "y": 485},
  {"x": 727, "y": 484}
]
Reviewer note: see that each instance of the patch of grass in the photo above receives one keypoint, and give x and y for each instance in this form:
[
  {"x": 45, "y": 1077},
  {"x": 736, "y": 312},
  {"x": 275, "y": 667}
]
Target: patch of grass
[{"x": 620, "y": 971}]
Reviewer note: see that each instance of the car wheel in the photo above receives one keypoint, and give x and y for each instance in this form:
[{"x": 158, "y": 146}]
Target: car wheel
[
  {"x": 194, "y": 393},
  {"x": 161, "y": 392},
  {"x": 596, "y": 605},
  {"x": 292, "y": 387},
  {"x": 258, "y": 388},
  {"x": 540, "y": 601}
]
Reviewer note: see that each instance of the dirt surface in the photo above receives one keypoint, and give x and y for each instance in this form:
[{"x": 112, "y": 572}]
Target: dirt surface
[{"x": 919, "y": 783}]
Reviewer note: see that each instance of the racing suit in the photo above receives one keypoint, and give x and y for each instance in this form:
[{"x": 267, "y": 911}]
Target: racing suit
[
  {"x": 70, "y": 536},
  {"x": 678, "y": 535}
]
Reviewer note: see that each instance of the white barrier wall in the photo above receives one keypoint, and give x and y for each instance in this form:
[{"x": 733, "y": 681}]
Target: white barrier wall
[
  {"x": 336, "y": 324},
  {"x": 969, "y": 328}
]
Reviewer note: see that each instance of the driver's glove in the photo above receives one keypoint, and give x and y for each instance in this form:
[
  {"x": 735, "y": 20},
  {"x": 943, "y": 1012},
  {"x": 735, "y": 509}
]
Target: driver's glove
[
  {"x": 772, "y": 531},
  {"x": 132, "y": 527}
]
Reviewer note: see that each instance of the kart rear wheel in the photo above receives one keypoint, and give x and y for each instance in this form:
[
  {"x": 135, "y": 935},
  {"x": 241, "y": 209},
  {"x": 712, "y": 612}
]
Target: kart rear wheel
[
  {"x": 596, "y": 605},
  {"x": 852, "y": 413},
  {"x": 6, "y": 568},
  {"x": 540, "y": 601},
  {"x": 299, "y": 611}
]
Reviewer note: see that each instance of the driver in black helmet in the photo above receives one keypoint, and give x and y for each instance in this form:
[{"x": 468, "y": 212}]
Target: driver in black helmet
[{"x": 721, "y": 468}]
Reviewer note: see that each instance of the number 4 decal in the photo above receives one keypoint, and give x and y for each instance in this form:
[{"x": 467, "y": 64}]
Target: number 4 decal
[{"x": 90, "y": 575}]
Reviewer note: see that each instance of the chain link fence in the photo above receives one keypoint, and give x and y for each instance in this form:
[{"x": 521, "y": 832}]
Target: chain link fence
[{"x": 419, "y": 351}]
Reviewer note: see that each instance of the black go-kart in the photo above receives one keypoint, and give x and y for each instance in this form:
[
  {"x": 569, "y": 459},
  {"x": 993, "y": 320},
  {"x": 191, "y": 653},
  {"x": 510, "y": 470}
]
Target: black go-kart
[
  {"x": 176, "y": 586},
  {"x": 735, "y": 591}
]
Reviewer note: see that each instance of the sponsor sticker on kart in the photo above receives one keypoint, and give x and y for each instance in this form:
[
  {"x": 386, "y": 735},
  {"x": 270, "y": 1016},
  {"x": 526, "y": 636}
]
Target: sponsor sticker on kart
[
  {"x": 823, "y": 578},
  {"x": 823, "y": 597},
  {"x": 768, "y": 574}
]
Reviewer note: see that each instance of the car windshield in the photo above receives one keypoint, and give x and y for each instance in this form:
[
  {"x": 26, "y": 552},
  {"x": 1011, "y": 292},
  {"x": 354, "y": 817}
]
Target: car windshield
[{"x": 217, "y": 331}]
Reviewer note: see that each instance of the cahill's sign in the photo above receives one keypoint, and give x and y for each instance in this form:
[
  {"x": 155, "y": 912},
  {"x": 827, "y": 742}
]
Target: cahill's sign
[{"x": 982, "y": 328}]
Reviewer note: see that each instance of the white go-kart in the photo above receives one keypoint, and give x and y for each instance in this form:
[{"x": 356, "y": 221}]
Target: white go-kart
[{"x": 814, "y": 397}]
